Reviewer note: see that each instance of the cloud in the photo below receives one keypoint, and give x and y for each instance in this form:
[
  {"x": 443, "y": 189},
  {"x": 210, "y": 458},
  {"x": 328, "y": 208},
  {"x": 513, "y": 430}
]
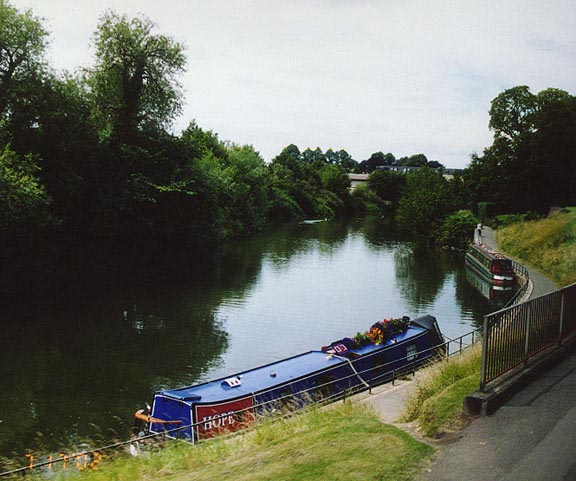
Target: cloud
[{"x": 404, "y": 77}]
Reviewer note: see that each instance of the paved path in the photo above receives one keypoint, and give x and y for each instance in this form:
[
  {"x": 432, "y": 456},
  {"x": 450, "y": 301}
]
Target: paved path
[{"x": 530, "y": 438}]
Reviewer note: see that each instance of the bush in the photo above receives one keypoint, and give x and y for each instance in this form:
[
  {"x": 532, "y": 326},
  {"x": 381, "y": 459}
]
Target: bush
[
  {"x": 457, "y": 231},
  {"x": 485, "y": 211},
  {"x": 365, "y": 201}
]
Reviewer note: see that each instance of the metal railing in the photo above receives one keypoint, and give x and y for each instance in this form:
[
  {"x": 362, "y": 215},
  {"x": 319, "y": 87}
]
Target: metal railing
[
  {"x": 280, "y": 406},
  {"x": 522, "y": 272},
  {"x": 514, "y": 335}
]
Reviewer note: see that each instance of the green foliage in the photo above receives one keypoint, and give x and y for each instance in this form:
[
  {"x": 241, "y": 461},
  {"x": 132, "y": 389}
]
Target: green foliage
[
  {"x": 424, "y": 205},
  {"x": 22, "y": 45},
  {"x": 457, "y": 230},
  {"x": 317, "y": 185},
  {"x": 548, "y": 244},
  {"x": 201, "y": 142},
  {"x": 387, "y": 185},
  {"x": 23, "y": 200},
  {"x": 529, "y": 166},
  {"x": 135, "y": 78},
  {"x": 341, "y": 158},
  {"x": 365, "y": 201},
  {"x": 508, "y": 219},
  {"x": 416, "y": 160},
  {"x": 437, "y": 403},
  {"x": 239, "y": 185},
  {"x": 485, "y": 211}
]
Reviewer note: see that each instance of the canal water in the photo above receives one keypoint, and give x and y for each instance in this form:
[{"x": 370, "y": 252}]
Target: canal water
[{"x": 78, "y": 358}]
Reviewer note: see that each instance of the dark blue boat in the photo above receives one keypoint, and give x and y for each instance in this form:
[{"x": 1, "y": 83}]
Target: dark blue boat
[{"x": 229, "y": 404}]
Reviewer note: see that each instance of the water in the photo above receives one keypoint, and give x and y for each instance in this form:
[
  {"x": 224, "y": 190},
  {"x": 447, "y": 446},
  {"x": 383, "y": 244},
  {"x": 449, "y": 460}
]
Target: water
[{"x": 82, "y": 352}]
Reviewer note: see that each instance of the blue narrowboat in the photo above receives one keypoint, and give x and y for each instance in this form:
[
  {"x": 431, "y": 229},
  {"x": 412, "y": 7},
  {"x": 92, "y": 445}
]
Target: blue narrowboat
[{"x": 345, "y": 366}]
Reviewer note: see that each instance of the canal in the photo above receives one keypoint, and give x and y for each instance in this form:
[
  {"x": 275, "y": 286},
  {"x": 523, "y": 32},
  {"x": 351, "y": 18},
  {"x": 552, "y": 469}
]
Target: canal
[{"x": 79, "y": 358}]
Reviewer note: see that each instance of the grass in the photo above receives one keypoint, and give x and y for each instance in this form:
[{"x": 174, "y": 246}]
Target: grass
[
  {"x": 548, "y": 245},
  {"x": 437, "y": 403},
  {"x": 345, "y": 442}
]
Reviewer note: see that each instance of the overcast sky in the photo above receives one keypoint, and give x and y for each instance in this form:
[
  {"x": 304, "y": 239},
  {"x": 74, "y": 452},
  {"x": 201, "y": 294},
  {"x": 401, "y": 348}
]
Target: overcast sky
[{"x": 400, "y": 76}]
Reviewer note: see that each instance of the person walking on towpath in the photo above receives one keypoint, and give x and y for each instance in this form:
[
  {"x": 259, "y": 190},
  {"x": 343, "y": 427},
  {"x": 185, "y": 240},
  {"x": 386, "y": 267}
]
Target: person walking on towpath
[{"x": 479, "y": 234}]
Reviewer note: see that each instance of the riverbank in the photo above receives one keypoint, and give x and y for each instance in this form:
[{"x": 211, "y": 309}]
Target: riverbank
[{"x": 342, "y": 442}]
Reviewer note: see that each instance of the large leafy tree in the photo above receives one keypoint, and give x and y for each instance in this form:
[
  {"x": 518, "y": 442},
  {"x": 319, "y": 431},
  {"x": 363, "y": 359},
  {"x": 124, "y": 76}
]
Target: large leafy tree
[
  {"x": 424, "y": 205},
  {"x": 135, "y": 79},
  {"x": 22, "y": 45},
  {"x": 530, "y": 165},
  {"x": 512, "y": 114}
]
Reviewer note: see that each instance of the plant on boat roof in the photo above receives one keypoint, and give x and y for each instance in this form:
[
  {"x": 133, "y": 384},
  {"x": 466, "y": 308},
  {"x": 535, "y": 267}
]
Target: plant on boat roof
[
  {"x": 382, "y": 330},
  {"x": 362, "y": 338}
]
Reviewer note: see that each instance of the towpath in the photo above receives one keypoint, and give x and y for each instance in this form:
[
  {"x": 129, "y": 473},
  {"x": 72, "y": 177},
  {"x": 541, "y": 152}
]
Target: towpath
[{"x": 530, "y": 438}]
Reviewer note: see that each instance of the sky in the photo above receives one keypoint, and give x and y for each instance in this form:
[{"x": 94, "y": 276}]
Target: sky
[{"x": 399, "y": 76}]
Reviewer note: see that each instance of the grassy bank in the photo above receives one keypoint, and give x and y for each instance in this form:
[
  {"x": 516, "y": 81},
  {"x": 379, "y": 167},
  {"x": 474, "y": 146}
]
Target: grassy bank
[
  {"x": 548, "y": 245},
  {"x": 345, "y": 442},
  {"x": 437, "y": 403}
]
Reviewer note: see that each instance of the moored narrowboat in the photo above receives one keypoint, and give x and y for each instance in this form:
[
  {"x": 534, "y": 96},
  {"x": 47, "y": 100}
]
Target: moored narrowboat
[
  {"x": 491, "y": 265},
  {"x": 344, "y": 367}
]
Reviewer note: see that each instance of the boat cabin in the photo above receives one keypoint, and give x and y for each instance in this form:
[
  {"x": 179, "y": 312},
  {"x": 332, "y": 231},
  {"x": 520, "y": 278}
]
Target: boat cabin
[{"x": 491, "y": 265}]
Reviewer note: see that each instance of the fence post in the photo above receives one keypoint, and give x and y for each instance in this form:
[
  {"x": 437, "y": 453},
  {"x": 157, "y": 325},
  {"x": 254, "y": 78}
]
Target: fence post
[
  {"x": 527, "y": 339},
  {"x": 484, "y": 354},
  {"x": 561, "y": 327}
]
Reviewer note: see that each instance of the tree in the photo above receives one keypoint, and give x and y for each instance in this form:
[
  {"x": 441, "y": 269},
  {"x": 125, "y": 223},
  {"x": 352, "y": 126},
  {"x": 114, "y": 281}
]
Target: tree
[
  {"x": 424, "y": 205},
  {"x": 554, "y": 148},
  {"x": 246, "y": 174},
  {"x": 135, "y": 79},
  {"x": 203, "y": 141},
  {"x": 388, "y": 185},
  {"x": 457, "y": 231},
  {"x": 23, "y": 199},
  {"x": 22, "y": 45},
  {"x": 307, "y": 183},
  {"x": 530, "y": 165},
  {"x": 512, "y": 113},
  {"x": 313, "y": 156},
  {"x": 416, "y": 160}
]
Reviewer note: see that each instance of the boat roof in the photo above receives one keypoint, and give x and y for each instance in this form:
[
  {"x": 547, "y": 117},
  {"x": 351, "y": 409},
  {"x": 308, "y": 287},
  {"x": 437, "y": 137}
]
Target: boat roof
[
  {"x": 490, "y": 251},
  {"x": 271, "y": 375}
]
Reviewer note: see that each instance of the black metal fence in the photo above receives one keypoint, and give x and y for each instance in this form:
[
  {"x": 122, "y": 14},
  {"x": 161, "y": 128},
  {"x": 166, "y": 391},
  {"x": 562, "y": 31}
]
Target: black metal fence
[{"x": 512, "y": 336}]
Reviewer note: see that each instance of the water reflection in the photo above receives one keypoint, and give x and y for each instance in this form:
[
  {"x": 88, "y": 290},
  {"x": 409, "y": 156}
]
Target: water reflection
[
  {"x": 498, "y": 296},
  {"x": 421, "y": 274}
]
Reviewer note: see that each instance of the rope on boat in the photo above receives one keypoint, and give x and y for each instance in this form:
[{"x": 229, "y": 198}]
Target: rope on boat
[{"x": 353, "y": 369}]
